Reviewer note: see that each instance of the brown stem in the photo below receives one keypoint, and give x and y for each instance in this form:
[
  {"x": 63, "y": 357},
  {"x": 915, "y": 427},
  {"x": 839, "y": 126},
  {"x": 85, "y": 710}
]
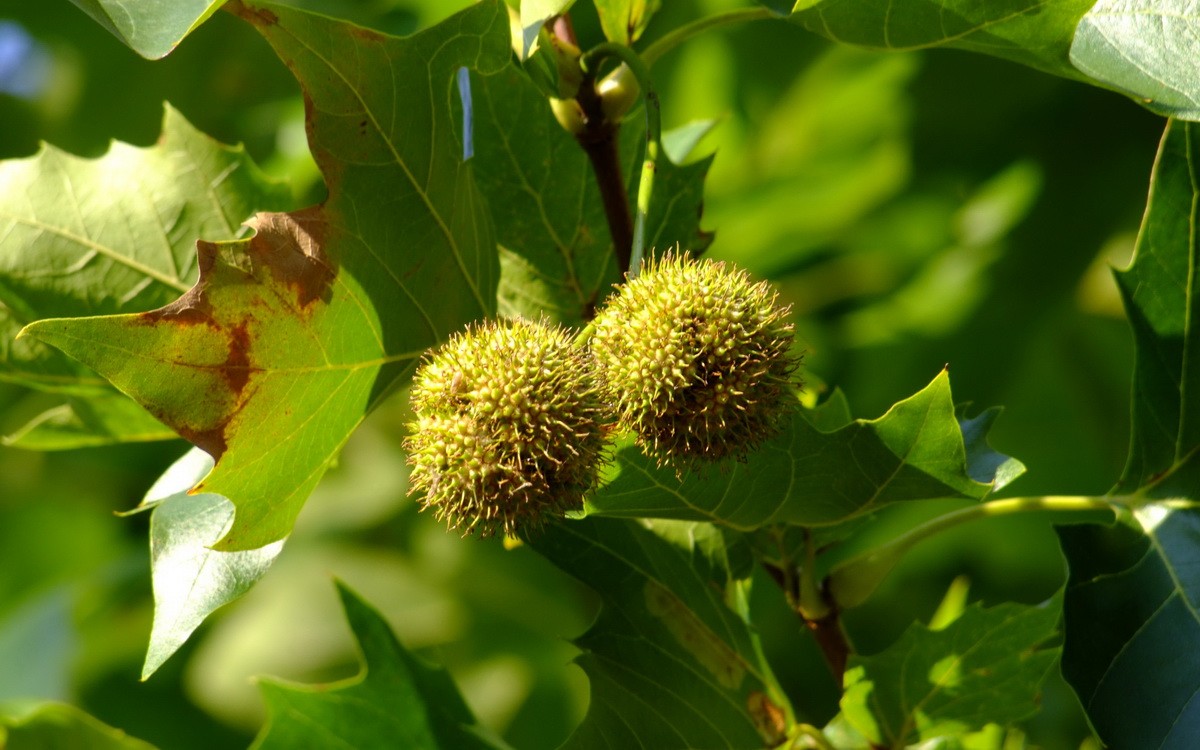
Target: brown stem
[
  {"x": 833, "y": 644},
  {"x": 599, "y": 142},
  {"x": 827, "y": 629}
]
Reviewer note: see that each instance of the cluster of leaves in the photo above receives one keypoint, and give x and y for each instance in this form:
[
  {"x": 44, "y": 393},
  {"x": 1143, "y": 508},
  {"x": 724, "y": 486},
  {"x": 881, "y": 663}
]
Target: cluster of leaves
[{"x": 265, "y": 336}]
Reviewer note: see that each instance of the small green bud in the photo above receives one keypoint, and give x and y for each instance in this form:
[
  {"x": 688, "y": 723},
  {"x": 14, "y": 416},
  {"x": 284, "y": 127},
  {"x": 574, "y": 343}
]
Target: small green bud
[
  {"x": 696, "y": 359},
  {"x": 569, "y": 115},
  {"x": 618, "y": 93},
  {"x": 508, "y": 427}
]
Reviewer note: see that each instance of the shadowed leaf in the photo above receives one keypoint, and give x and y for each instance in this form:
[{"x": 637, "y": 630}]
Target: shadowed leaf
[
  {"x": 1132, "y": 621},
  {"x": 51, "y": 726},
  {"x": 1033, "y": 32},
  {"x": 88, "y": 421},
  {"x": 670, "y": 664},
  {"x": 555, "y": 249},
  {"x": 1133, "y": 597}
]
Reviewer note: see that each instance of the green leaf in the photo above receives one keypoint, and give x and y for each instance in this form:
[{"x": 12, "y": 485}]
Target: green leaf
[
  {"x": 1161, "y": 292},
  {"x": 1145, "y": 48},
  {"x": 191, "y": 580},
  {"x": 670, "y": 664},
  {"x": 396, "y": 701},
  {"x": 1133, "y": 596},
  {"x": 555, "y": 251},
  {"x": 109, "y": 235},
  {"x": 151, "y": 29},
  {"x": 290, "y": 337},
  {"x": 113, "y": 234},
  {"x": 984, "y": 667},
  {"x": 54, "y": 726},
  {"x": 680, "y": 143},
  {"x": 811, "y": 477},
  {"x": 555, "y": 248},
  {"x": 106, "y": 418},
  {"x": 1033, "y": 32},
  {"x": 624, "y": 21},
  {"x": 1132, "y": 622},
  {"x": 984, "y": 464}
]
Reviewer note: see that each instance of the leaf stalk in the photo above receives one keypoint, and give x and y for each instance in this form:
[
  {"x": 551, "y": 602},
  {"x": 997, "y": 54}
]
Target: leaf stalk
[
  {"x": 678, "y": 36},
  {"x": 854, "y": 580}
]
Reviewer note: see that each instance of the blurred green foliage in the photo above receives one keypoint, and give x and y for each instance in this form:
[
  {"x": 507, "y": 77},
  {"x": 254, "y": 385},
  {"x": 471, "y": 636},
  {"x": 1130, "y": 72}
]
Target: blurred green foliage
[{"x": 917, "y": 209}]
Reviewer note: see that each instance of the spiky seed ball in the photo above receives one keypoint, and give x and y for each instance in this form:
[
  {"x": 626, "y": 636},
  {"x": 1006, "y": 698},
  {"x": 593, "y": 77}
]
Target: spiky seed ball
[
  {"x": 508, "y": 428},
  {"x": 696, "y": 359}
]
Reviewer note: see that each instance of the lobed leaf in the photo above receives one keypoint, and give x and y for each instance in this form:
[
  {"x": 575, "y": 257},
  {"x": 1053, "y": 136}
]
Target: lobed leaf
[
  {"x": 291, "y": 336},
  {"x": 670, "y": 664},
  {"x": 814, "y": 476},
  {"x": 151, "y": 29},
  {"x": 984, "y": 667},
  {"x": 396, "y": 701},
  {"x": 1133, "y": 596},
  {"x": 104, "y": 236}
]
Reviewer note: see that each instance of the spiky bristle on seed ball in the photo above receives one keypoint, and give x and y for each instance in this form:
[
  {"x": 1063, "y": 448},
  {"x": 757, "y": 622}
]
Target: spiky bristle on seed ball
[
  {"x": 696, "y": 359},
  {"x": 508, "y": 427}
]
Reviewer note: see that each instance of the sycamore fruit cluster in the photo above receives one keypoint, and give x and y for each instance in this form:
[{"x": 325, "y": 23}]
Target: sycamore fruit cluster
[
  {"x": 695, "y": 359},
  {"x": 512, "y": 416},
  {"x": 509, "y": 427}
]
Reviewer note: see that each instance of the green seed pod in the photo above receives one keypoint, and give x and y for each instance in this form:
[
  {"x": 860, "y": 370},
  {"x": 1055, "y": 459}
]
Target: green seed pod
[
  {"x": 696, "y": 360},
  {"x": 508, "y": 429}
]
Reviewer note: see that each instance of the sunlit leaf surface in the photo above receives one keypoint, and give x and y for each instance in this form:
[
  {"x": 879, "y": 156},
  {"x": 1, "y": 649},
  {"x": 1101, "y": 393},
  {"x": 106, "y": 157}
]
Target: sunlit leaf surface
[
  {"x": 152, "y": 29},
  {"x": 109, "y": 235},
  {"x": 291, "y": 336},
  {"x": 814, "y": 476},
  {"x": 1145, "y": 48},
  {"x": 986, "y": 666}
]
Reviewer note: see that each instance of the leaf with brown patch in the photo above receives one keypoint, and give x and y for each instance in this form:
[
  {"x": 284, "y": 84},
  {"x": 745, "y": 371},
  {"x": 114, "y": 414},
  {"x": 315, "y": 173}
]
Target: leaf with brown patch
[
  {"x": 114, "y": 234},
  {"x": 291, "y": 336}
]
